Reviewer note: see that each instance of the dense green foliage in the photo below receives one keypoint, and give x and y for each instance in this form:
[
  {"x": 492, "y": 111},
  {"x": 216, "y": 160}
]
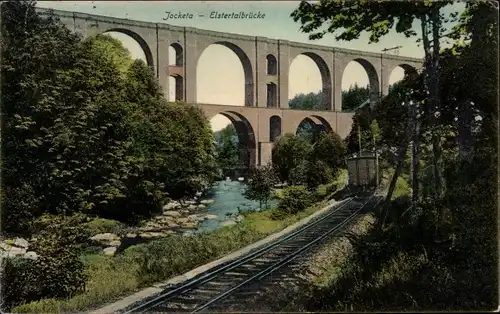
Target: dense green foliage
[
  {"x": 298, "y": 161},
  {"x": 354, "y": 97},
  {"x": 311, "y": 101},
  {"x": 58, "y": 271},
  {"x": 287, "y": 153},
  {"x": 295, "y": 199},
  {"x": 226, "y": 148},
  {"x": 441, "y": 252},
  {"x": 351, "y": 99},
  {"x": 330, "y": 150},
  {"x": 260, "y": 184},
  {"x": 86, "y": 131}
]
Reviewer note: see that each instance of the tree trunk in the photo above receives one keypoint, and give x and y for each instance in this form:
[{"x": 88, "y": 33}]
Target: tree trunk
[
  {"x": 415, "y": 157},
  {"x": 401, "y": 156},
  {"x": 431, "y": 75},
  {"x": 392, "y": 186},
  {"x": 435, "y": 95}
]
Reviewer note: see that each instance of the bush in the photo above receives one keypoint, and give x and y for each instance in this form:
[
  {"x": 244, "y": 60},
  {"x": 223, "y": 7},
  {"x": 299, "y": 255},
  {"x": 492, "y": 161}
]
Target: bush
[
  {"x": 298, "y": 174},
  {"x": 318, "y": 172},
  {"x": 288, "y": 152},
  {"x": 101, "y": 225},
  {"x": 260, "y": 184},
  {"x": 58, "y": 272},
  {"x": 295, "y": 199},
  {"x": 330, "y": 150},
  {"x": 161, "y": 259}
]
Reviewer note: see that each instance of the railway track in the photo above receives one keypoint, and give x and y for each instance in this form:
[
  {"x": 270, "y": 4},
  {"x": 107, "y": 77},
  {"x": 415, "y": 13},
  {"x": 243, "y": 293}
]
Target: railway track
[{"x": 201, "y": 293}]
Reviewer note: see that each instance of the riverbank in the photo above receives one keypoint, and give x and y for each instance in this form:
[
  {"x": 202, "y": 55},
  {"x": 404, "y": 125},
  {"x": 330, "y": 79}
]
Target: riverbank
[
  {"x": 219, "y": 207},
  {"x": 113, "y": 277}
]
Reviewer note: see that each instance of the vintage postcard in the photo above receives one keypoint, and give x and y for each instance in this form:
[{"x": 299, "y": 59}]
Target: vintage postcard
[{"x": 249, "y": 156}]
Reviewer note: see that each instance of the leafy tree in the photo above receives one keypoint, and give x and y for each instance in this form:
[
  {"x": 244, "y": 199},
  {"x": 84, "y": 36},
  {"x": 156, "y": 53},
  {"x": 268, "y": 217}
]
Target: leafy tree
[
  {"x": 287, "y": 154},
  {"x": 360, "y": 128},
  {"x": 317, "y": 172},
  {"x": 85, "y": 134},
  {"x": 311, "y": 101},
  {"x": 298, "y": 174},
  {"x": 227, "y": 150},
  {"x": 330, "y": 150},
  {"x": 378, "y": 18},
  {"x": 113, "y": 50},
  {"x": 260, "y": 184},
  {"x": 310, "y": 131},
  {"x": 41, "y": 119}
]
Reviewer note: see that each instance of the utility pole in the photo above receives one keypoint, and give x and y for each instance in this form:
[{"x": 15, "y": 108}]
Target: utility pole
[
  {"x": 359, "y": 139},
  {"x": 395, "y": 50},
  {"x": 415, "y": 152}
]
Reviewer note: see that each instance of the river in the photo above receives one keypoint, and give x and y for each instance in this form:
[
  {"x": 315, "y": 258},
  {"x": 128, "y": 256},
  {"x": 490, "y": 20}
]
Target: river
[{"x": 228, "y": 196}]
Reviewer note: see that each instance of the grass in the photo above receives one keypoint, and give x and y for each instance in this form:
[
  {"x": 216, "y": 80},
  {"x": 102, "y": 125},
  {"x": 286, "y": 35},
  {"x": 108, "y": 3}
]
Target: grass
[
  {"x": 402, "y": 187},
  {"x": 111, "y": 278},
  {"x": 404, "y": 270},
  {"x": 139, "y": 266}
]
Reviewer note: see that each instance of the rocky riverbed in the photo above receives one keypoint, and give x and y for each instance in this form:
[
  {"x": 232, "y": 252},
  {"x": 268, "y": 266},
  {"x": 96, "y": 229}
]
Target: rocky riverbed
[{"x": 177, "y": 218}]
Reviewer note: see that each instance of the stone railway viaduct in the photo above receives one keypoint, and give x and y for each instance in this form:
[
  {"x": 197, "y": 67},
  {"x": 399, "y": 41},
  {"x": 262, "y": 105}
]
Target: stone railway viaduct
[{"x": 266, "y": 62}]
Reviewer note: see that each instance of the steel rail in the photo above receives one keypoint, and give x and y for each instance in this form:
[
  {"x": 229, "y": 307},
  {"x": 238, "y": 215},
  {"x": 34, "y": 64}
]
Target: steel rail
[
  {"x": 235, "y": 263},
  {"x": 262, "y": 274}
]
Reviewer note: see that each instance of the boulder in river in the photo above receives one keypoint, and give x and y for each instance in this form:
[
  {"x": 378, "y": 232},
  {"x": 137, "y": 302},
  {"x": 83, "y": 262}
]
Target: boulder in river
[
  {"x": 209, "y": 216},
  {"x": 115, "y": 243},
  {"x": 173, "y": 225},
  {"x": 201, "y": 206},
  {"x": 31, "y": 255},
  {"x": 16, "y": 251},
  {"x": 110, "y": 251},
  {"x": 189, "y": 225},
  {"x": 172, "y": 205},
  {"x": 207, "y": 202},
  {"x": 104, "y": 236},
  {"x": 22, "y": 243},
  {"x": 228, "y": 223},
  {"x": 131, "y": 235},
  {"x": 172, "y": 213}
]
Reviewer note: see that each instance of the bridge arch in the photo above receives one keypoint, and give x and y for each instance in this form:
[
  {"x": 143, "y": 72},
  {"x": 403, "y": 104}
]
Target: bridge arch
[
  {"x": 275, "y": 128},
  {"x": 311, "y": 126},
  {"x": 373, "y": 77},
  {"x": 326, "y": 81},
  {"x": 247, "y": 68},
  {"x": 246, "y": 137},
  {"x": 145, "y": 47},
  {"x": 408, "y": 70}
]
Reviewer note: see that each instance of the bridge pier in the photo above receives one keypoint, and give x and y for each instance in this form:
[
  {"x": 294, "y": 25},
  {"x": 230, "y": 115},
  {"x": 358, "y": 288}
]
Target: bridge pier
[{"x": 265, "y": 153}]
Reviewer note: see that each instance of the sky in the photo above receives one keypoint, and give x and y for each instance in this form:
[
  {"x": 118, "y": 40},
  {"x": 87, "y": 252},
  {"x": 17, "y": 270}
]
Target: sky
[{"x": 219, "y": 76}]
